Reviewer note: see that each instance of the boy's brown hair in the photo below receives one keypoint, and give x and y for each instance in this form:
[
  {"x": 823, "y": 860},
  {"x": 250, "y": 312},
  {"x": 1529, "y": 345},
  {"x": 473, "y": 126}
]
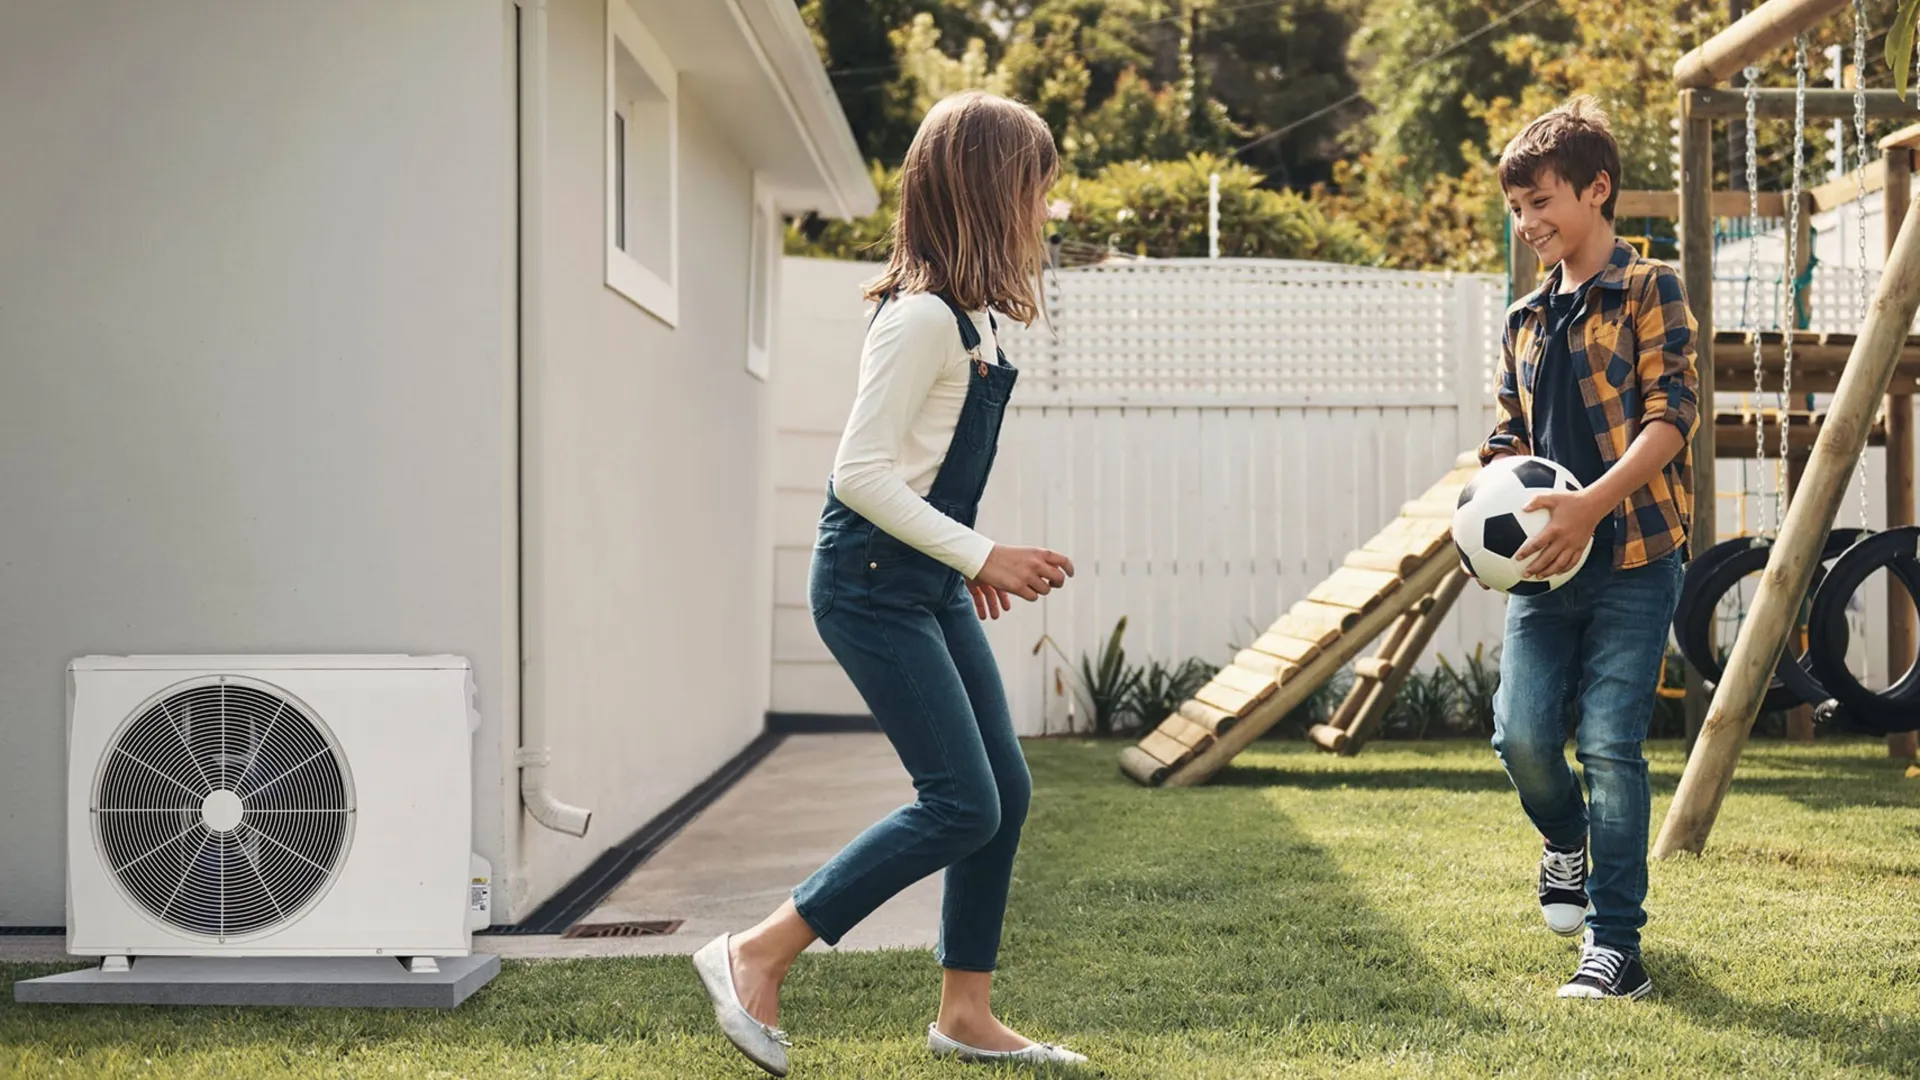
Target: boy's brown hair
[{"x": 1575, "y": 141}]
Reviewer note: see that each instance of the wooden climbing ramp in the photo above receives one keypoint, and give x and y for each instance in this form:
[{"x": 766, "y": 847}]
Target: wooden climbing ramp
[{"x": 1395, "y": 589}]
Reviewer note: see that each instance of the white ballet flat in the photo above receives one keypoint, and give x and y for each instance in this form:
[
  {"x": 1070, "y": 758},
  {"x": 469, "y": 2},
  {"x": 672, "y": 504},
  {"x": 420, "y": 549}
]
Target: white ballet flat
[
  {"x": 1035, "y": 1054},
  {"x": 763, "y": 1045}
]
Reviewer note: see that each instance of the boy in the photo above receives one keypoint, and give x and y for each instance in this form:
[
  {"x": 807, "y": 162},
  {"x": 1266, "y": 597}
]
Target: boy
[{"x": 1598, "y": 376}]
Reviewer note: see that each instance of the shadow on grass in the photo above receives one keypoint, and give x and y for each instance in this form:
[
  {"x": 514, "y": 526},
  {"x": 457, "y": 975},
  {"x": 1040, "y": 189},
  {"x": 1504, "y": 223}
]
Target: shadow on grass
[{"x": 1855, "y": 1037}]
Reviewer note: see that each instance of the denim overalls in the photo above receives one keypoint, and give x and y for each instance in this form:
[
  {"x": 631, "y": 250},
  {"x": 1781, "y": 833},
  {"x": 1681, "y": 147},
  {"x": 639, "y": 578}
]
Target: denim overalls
[{"x": 903, "y": 626}]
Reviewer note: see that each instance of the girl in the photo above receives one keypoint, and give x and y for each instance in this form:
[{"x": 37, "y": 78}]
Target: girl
[{"x": 895, "y": 546}]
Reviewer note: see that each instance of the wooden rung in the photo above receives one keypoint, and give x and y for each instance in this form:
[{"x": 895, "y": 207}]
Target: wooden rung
[
  {"x": 1398, "y": 563},
  {"x": 1253, "y": 682},
  {"x": 1229, "y": 698},
  {"x": 1424, "y": 508},
  {"x": 1328, "y": 738},
  {"x": 1318, "y": 618},
  {"x": 1218, "y": 721},
  {"x": 1356, "y": 590},
  {"x": 1373, "y": 667},
  {"x": 1162, "y": 748},
  {"x": 1186, "y": 733},
  {"x": 1271, "y": 666},
  {"x": 1143, "y": 767},
  {"x": 1290, "y": 649}
]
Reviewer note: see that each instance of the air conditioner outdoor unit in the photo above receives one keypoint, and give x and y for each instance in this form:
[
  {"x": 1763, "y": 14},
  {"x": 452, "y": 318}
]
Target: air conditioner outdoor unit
[{"x": 272, "y": 806}]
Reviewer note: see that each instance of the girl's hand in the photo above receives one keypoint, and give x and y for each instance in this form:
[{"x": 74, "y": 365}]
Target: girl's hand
[
  {"x": 1027, "y": 572},
  {"x": 989, "y": 601}
]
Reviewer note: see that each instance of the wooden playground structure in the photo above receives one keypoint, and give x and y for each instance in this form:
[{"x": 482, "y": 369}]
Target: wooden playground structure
[{"x": 1399, "y": 585}]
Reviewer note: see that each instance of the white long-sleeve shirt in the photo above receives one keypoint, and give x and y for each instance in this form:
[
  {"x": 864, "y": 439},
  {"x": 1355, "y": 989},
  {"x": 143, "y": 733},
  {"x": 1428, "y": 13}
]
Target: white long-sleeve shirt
[{"x": 914, "y": 375}]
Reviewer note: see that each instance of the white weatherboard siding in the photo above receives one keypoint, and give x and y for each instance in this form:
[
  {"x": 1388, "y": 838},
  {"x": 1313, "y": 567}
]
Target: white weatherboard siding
[
  {"x": 252, "y": 367},
  {"x": 647, "y": 578}
]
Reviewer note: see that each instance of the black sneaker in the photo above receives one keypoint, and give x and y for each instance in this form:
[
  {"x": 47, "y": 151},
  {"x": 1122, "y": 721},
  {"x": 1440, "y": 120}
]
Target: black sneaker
[
  {"x": 1608, "y": 973},
  {"x": 1563, "y": 890}
]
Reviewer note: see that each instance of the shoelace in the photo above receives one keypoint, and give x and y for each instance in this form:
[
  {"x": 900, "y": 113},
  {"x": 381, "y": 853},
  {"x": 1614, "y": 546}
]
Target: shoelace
[
  {"x": 1601, "y": 964},
  {"x": 1564, "y": 870}
]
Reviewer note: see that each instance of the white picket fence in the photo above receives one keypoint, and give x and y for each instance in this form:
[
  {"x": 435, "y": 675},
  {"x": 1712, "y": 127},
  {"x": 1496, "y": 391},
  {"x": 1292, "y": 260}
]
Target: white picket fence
[{"x": 1209, "y": 439}]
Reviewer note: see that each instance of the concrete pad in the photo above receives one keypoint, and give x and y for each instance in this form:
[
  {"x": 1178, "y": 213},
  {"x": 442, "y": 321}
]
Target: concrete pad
[
  {"x": 377, "y": 982},
  {"x": 736, "y": 863}
]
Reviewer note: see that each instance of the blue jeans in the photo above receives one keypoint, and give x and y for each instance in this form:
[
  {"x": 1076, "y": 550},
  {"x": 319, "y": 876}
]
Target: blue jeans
[
  {"x": 904, "y": 628},
  {"x": 1596, "y": 644}
]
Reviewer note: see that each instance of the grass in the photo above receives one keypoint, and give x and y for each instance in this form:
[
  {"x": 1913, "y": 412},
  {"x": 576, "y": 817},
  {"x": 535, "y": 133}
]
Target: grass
[{"x": 1304, "y": 916}]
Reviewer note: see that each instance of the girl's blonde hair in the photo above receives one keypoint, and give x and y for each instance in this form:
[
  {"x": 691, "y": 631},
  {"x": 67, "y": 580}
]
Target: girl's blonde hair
[{"x": 972, "y": 217}]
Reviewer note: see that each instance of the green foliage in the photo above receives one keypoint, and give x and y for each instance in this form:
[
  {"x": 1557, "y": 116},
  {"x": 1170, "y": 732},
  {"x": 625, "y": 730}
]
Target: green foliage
[
  {"x": 1159, "y": 689},
  {"x": 1428, "y": 704},
  {"x": 1160, "y": 209},
  {"x": 1106, "y": 684},
  {"x": 1475, "y": 683}
]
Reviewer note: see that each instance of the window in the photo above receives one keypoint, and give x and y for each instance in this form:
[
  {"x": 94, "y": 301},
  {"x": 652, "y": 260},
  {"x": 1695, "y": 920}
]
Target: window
[
  {"x": 763, "y": 266},
  {"x": 643, "y": 149}
]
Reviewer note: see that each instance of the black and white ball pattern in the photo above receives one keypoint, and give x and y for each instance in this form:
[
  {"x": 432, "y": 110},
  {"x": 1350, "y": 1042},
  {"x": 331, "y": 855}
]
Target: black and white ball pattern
[{"x": 1489, "y": 527}]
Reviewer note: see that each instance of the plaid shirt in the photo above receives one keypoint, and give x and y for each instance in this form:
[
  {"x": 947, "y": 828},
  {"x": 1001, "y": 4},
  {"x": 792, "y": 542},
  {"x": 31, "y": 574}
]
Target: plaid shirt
[{"x": 1634, "y": 350}]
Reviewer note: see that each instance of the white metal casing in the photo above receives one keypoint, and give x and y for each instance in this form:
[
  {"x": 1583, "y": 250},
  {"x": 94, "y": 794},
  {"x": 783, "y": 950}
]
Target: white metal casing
[{"x": 408, "y": 883}]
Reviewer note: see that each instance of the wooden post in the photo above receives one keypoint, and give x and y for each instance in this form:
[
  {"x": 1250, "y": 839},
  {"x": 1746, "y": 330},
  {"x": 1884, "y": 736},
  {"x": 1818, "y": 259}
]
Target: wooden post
[
  {"x": 1800, "y": 717},
  {"x": 1901, "y": 634},
  {"x": 1523, "y": 266},
  {"x": 1758, "y": 33},
  {"x": 1696, "y": 262},
  {"x": 1763, "y": 634}
]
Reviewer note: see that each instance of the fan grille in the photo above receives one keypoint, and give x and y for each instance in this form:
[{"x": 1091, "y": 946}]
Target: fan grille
[{"x": 223, "y": 808}]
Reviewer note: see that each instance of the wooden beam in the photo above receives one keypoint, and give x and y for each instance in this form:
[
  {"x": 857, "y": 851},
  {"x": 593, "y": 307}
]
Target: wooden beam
[
  {"x": 1846, "y": 189},
  {"x": 1799, "y": 717},
  {"x": 1816, "y": 368},
  {"x": 1802, "y": 257},
  {"x": 1757, "y": 34},
  {"x": 1735, "y": 438},
  {"x": 1790, "y": 563},
  {"x": 1902, "y": 633},
  {"x": 1666, "y": 204},
  {"x": 1696, "y": 276},
  {"x": 1908, "y": 137},
  {"x": 1823, "y": 103},
  {"x": 1405, "y": 655}
]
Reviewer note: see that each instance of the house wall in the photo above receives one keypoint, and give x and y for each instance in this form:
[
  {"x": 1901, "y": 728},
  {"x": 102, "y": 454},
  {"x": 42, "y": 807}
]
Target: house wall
[
  {"x": 647, "y": 589},
  {"x": 253, "y": 367}
]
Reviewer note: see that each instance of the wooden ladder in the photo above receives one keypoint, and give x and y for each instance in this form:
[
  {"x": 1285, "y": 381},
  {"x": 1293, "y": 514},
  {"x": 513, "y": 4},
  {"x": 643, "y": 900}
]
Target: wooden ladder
[{"x": 1400, "y": 583}]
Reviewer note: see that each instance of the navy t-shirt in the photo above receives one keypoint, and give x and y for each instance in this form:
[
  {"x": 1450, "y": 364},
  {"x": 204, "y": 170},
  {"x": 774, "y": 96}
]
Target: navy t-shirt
[{"x": 1561, "y": 430}]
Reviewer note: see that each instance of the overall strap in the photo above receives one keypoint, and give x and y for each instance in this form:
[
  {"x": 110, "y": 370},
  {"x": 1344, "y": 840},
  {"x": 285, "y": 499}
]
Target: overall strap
[{"x": 969, "y": 334}]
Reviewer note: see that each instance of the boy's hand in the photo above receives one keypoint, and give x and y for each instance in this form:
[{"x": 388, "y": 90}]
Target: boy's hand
[
  {"x": 1558, "y": 547},
  {"x": 988, "y": 601}
]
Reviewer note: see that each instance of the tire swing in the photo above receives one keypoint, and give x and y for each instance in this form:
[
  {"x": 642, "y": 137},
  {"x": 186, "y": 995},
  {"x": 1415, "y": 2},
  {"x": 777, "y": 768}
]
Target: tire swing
[
  {"x": 1892, "y": 711},
  {"x": 1718, "y": 572}
]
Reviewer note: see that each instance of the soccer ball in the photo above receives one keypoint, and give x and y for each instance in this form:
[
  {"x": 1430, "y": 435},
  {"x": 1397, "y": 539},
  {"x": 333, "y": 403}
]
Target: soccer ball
[{"x": 1489, "y": 526}]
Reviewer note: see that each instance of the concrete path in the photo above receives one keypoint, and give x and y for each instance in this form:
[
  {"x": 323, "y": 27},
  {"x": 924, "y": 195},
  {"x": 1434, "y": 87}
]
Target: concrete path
[{"x": 737, "y": 861}]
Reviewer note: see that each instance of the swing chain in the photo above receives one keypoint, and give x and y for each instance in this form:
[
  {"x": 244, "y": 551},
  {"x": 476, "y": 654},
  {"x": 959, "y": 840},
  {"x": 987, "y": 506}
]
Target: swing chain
[
  {"x": 1753, "y": 271},
  {"x": 1860, "y": 197},
  {"x": 1793, "y": 264}
]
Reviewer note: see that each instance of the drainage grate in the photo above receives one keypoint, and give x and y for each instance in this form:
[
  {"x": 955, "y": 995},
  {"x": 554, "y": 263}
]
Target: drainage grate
[{"x": 640, "y": 928}]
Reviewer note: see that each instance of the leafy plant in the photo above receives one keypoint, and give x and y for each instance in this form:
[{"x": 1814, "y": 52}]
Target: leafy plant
[
  {"x": 1158, "y": 689},
  {"x": 1106, "y": 683},
  {"x": 1475, "y": 683},
  {"x": 1900, "y": 44},
  {"x": 1317, "y": 708},
  {"x": 1428, "y": 700}
]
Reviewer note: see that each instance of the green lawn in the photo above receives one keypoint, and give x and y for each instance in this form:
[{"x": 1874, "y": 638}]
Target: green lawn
[{"x": 1305, "y": 915}]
